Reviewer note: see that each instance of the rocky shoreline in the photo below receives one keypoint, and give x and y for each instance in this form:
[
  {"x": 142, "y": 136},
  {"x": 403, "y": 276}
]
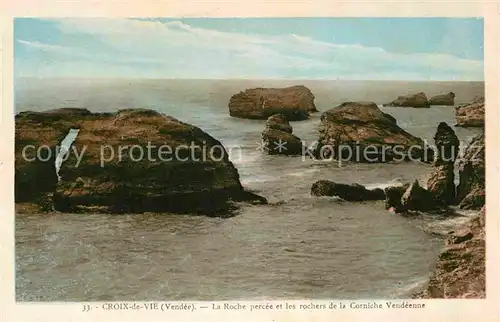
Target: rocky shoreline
[
  {"x": 460, "y": 269},
  {"x": 194, "y": 184}
]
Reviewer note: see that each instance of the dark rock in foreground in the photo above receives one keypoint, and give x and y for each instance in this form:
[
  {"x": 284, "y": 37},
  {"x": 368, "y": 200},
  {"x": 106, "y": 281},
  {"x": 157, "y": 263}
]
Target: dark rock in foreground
[
  {"x": 393, "y": 197},
  {"x": 352, "y": 192},
  {"x": 417, "y": 198},
  {"x": 278, "y": 138},
  {"x": 295, "y": 102},
  {"x": 174, "y": 179},
  {"x": 471, "y": 189},
  {"x": 470, "y": 115},
  {"x": 460, "y": 270},
  {"x": 413, "y": 100},
  {"x": 443, "y": 99},
  {"x": 361, "y": 132}
]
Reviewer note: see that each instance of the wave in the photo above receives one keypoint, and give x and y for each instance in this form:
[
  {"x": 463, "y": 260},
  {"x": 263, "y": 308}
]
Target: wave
[
  {"x": 395, "y": 182},
  {"x": 406, "y": 291},
  {"x": 302, "y": 173}
]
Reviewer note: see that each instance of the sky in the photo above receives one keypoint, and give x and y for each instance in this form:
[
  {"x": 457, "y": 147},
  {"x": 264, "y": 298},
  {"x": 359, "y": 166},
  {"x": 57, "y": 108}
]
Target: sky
[{"x": 256, "y": 48}]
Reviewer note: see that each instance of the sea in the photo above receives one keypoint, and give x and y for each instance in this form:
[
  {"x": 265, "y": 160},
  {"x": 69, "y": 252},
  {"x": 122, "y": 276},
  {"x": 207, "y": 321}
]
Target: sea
[{"x": 297, "y": 247}]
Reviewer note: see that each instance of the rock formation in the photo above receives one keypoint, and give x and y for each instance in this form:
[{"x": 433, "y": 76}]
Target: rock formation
[
  {"x": 352, "y": 192},
  {"x": 393, "y": 197},
  {"x": 441, "y": 184},
  {"x": 119, "y": 173},
  {"x": 361, "y": 132},
  {"x": 471, "y": 187},
  {"x": 417, "y": 198},
  {"x": 35, "y": 176},
  {"x": 279, "y": 122},
  {"x": 443, "y": 99},
  {"x": 295, "y": 102},
  {"x": 470, "y": 115},
  {"x": 278, "y": 137},
  {"x": 447, "y": 144},
  {"x": 441, "y": 181},
  {"x": 413, "y": 100},
  {"x": 460, "y": 270}
]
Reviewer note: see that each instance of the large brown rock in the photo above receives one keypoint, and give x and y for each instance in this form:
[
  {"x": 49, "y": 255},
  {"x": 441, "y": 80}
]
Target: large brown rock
[
  {"x": 352, "y": 192},
  {"x": 460, "y": 269},
  {"x": 277, "y": 138},
  {"x": 447, "y": 144},
  {"x": 412, "y": 100},
  {"x": 443, "y": 99},
  {"x": 361, "y": 132},
  {"x": 35, "y": 175},
  {"x": 190, "y": 173},
  {"x": 471, "y": 188},
  {"x": 441, "y": 184},
  {"x": 470, "y": 115},
  {"x": 295, "y": 102}
]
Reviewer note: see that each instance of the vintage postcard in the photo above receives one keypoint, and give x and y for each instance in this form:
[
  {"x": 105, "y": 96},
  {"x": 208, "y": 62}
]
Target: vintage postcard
[{"x": 277, "y": 167}]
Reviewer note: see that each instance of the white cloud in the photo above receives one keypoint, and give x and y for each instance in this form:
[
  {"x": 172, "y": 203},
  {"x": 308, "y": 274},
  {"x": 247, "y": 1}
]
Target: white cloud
[{"x": 184, "y": 51}]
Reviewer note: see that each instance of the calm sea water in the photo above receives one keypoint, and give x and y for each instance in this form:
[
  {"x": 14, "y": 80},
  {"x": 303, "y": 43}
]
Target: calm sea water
[{"x": 300, "y": 247}]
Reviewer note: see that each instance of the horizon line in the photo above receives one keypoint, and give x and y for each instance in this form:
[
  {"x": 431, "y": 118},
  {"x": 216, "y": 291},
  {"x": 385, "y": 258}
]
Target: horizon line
[{"x": 242, "y": 79}]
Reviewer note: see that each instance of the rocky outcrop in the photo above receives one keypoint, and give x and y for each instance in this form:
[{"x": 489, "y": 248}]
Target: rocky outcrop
[
  {"x": 279, "y": 122},
  {"x": 413, "y": 100},
  {"x": 417, "y": 198},
  {"x": 447, "y": 144},
  {"x": 460, "y": 270},
  {"x": 441, "y": 182},
  {"x": 277, "y": 138},
  {"x": 471, "y": 188},
  {"x": 37, "y": 137},
  {"x": 142, "y": 161},
  {"x": 352, "y": 192},
  {"x": 443, "y": 99},
  {"x": 295, "y": 102},
  {"x": 393, "y": 197},
  {"x": 470, "y": 115},
  {"x": 361, "y": 132}
]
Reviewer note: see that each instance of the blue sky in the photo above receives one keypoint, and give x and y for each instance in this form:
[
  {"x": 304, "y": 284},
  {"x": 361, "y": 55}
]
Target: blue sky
[{"x": 277, "y": 48}]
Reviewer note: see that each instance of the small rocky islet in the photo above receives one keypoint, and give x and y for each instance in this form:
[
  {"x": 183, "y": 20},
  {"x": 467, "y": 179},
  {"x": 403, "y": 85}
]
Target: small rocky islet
[{"x": 210, "y": 187}]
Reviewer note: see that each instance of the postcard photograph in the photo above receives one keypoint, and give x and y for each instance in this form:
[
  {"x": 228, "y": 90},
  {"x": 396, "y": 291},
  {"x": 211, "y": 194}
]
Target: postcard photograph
[{"x": 215, "y": 159}]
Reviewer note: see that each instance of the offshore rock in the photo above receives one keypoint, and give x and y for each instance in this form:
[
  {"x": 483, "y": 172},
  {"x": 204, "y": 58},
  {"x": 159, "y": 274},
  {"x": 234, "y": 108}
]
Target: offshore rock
[
  {"x": 443, "y": 99},
  {"x": 413, "y": 100},
  {"x": 352, "y": 192},
  {"x": 295, "y": 102},
  {"x": 113, "y": 176},
  {"x": 361, "y": 132}
]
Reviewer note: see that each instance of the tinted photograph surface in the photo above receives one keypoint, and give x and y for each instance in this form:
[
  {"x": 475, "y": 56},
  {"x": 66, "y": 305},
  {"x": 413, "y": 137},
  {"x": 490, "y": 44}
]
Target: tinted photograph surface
[{"x": 209, "y": 159}]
